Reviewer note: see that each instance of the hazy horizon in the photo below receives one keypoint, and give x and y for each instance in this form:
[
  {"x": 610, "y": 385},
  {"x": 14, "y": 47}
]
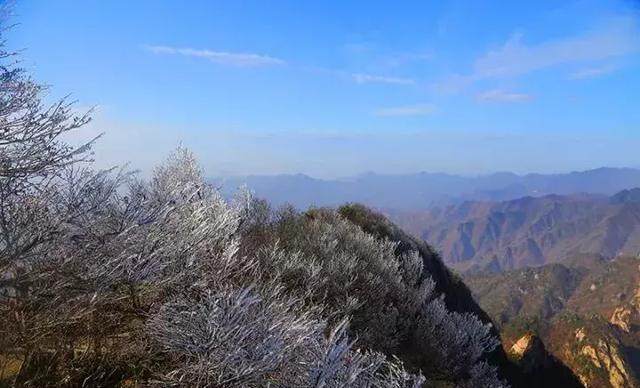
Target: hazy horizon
[
  {"x": 477, "y": 175},
  {"x": 336, "y": 90}
]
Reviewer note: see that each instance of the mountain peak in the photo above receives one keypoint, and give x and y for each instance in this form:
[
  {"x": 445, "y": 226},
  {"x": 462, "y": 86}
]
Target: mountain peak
[{"x": 625, "y": 196}]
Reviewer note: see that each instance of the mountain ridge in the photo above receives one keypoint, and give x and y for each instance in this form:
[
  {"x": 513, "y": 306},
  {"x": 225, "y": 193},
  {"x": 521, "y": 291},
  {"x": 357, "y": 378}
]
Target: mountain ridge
[
  {"x": 528, "y": 231},
  {"x": 426, "y": 189}
]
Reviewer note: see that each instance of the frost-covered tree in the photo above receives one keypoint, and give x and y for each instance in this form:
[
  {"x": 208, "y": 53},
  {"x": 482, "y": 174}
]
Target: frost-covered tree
[
  {"x": 332, "y": 262},
  {"x": 32, "y": 162},
  {"x": 150, "y": 271},
  {"x": 453, "y": 345},
  {"x": 242, "y": 338},
  {"x": 32, "y": 157},
  {"x": 394, "y": 309},
  {"x": 106, "y": 278}
]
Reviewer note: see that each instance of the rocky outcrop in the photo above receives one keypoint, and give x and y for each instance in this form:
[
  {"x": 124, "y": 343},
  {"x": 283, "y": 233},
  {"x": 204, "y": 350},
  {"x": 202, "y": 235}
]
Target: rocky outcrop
[
  {"x": 529, "y": 352},
  {"x": 587, "y": 316},
  {"x": 605, "y": 357},
  {"x": 628, "y": 314},
  {"x": 541, "y": 369},
  {"x": 621, "y": 318},
  {"x": 593, "y": 349},
  {"x": 522, "y": 346}
]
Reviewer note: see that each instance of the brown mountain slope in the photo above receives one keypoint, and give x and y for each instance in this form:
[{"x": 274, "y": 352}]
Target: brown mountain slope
[
  {"x": 587, "y": 314},
  {"x": 531, "y": 292},
  {"x": 529, "y": 231}
]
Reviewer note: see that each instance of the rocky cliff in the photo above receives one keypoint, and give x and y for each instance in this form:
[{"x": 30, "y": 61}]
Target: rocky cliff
[{"x": 586, "y": 315}]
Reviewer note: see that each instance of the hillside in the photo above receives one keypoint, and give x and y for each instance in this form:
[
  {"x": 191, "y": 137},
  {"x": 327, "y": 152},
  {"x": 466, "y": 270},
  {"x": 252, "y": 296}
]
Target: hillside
[
  {"x": 291, "y": 230},
  {"x": 529, "y": 231},
  {"x": 587, "y": 314},
  {"x": 424, "y": 190},
  {"x": 169, "y": 284}
]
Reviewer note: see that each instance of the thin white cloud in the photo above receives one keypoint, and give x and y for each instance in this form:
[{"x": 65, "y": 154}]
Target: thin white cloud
[
  {"x": 619, "y": 37},
  {"x": 368, "y": 78},
  {"x": 591, "y": 72},
  {"x": 406, "y": 111},
  {"x": 516, "y": 58},
  {"x": 497, "y": 95},
  {"x": 220, "y": 57}
]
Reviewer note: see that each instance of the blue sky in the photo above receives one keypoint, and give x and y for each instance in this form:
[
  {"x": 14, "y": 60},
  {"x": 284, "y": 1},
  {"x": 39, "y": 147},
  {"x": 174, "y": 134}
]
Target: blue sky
[{"x": 336, "y": 88}]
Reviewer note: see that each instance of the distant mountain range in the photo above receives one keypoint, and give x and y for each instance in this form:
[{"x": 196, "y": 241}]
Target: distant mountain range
[
  {"x": 426, "y": 190},
  {"x": 529, "y": 231}
]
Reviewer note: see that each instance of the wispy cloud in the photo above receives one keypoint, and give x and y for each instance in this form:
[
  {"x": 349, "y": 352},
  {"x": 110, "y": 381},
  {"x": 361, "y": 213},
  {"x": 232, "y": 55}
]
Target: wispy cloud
[
  {"x": 497, "y": 95},
  {"x": 591, "y": 72},
  {"x": 368, "y": 78},
  {"x": 220, "y": 57},
  {"x": 516, "y": 58},
  {"x": 619, "y": 37},
  {"x": 406, "y": 111}
]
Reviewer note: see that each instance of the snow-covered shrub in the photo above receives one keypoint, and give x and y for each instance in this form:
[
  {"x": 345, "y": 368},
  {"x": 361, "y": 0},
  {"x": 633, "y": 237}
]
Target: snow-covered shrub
[
  {"x": 391, "y": 301},
  {"x": 241, "y": 338}
]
